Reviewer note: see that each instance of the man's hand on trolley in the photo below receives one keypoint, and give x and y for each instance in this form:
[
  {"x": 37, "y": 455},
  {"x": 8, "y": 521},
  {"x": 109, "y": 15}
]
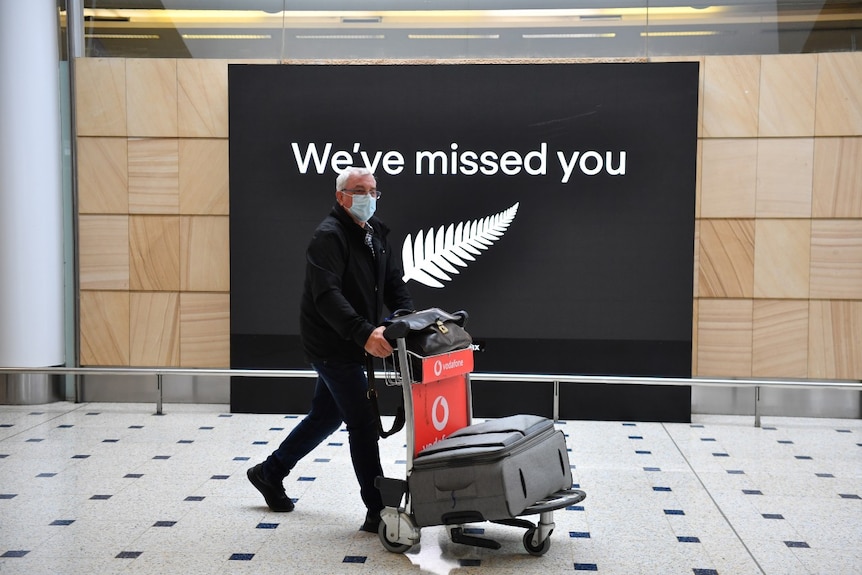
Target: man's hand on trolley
[{"x": 377, "y": 344}]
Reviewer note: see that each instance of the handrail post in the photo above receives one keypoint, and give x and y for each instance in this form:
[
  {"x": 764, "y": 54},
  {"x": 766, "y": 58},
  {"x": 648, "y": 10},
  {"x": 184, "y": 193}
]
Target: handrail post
[
  {"x": 556, "y": 400},
  {"x": 159, "y": 399},
  {"x": 757, "y": 406}
]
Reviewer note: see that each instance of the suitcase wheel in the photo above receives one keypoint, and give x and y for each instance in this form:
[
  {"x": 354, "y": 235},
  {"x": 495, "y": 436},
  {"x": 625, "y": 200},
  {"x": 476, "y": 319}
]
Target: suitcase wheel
[
  {"x": 536, "y": 550},
  {"x": 391, "y": 546}
]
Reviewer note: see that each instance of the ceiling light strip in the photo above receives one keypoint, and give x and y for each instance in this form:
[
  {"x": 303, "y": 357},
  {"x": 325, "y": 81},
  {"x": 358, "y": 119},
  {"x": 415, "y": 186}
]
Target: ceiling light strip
[
  {"x": 341, "y": 37},
  {"x": 100, "y": 36},
  {"x": 227, "y": 36},
  {"x": 453, "y": 36},
  {"x": 682, "y": 33},
  {"x": 567, "y": 36},
  {"x": 361, "y": 20}
]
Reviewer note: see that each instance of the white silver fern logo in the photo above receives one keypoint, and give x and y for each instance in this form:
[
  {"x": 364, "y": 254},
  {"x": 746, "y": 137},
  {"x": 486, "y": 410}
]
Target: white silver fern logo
[{"x": 429, "y": 259}]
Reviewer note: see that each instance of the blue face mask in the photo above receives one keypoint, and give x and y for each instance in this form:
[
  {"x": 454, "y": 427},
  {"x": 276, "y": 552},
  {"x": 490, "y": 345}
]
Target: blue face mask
[{"x": 363, "y": 207}]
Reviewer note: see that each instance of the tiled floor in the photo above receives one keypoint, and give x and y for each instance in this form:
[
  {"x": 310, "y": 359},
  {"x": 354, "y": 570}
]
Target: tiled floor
[{"x": 107, "y": 488}]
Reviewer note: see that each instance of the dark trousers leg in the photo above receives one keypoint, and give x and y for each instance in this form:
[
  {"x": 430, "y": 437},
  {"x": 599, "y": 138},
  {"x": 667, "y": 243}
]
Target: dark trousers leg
[{"x": 340, "y": 395}]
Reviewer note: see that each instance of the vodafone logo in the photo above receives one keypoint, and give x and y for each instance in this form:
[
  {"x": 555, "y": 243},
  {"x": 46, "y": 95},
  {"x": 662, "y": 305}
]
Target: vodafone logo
[
  {"x": 436, "y": 368},
  {"x": 440, "y": 423},
  {"x": 439, "y": 366}
]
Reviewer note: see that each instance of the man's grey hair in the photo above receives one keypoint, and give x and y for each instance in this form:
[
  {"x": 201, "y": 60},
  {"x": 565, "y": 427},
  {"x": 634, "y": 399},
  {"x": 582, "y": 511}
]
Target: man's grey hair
[{"x": 342, "y": 178}]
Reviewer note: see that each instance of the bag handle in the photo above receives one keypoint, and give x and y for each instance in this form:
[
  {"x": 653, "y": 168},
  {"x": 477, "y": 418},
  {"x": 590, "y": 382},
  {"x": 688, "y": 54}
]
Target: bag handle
[
  {"x": 402, "y": 321},
  {"x": 398, "y": 424}
]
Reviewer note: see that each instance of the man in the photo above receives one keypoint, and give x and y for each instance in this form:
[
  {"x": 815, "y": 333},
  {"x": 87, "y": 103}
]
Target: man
[{"x": 351, "y": 274}]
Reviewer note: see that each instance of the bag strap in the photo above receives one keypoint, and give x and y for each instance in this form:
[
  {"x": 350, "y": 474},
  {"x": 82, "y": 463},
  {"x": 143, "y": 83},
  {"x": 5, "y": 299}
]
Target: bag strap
[{"x": 398, "y": 424}]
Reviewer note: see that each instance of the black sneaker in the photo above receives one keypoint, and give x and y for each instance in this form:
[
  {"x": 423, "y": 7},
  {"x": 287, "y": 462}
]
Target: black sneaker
[
  {"x": 372, "y": 522},
  {"x": 273, "y": 494}
]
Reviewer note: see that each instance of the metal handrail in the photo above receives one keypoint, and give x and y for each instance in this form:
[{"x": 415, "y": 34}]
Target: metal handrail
[
  {"x": 555, "y": 379},
  {"x": 756, "y": 383},
  {"x": 160, "y": 372}
]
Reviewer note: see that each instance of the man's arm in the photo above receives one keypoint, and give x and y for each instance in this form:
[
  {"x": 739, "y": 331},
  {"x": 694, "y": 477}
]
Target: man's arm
[{"x": 326, "y": 259}]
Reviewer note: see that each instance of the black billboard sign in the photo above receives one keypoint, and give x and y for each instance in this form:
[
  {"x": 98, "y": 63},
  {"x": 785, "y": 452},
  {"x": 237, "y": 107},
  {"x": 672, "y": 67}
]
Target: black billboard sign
[{"x": 553, "y": 202}]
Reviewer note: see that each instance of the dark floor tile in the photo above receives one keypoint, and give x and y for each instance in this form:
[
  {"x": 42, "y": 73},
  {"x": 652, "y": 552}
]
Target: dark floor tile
[{"x": 241, "y": 557}]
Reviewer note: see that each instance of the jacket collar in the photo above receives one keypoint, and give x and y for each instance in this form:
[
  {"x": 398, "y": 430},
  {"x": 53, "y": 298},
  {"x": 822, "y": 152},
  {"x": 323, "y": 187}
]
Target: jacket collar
[{"x": 344, "y": 217}]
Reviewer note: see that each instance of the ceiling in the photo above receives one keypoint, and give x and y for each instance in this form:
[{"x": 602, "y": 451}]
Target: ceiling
[{"x": 422, "y": 29}]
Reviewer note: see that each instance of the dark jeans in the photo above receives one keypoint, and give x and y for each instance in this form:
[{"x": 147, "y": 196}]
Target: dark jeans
[{"x": 339, "y": 395}]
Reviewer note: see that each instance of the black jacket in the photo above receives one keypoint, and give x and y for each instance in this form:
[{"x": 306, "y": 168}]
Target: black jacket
[{"x": 346, "y": 288}]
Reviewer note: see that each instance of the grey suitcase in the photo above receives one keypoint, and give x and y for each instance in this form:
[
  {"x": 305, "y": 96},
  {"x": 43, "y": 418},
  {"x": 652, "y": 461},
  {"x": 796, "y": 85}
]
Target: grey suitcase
[{"x": 489, "y": 471}]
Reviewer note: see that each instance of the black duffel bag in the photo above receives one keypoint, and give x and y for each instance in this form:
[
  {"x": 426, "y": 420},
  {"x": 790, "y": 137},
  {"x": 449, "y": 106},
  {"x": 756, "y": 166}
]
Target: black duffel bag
[{"x": 430, "y": 331}]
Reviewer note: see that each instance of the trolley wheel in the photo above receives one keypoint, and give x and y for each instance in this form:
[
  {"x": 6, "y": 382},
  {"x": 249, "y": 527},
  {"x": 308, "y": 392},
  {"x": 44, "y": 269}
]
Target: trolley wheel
[
  {"x": 390, "y": 546},
  {"x": 537, "y": 550}
]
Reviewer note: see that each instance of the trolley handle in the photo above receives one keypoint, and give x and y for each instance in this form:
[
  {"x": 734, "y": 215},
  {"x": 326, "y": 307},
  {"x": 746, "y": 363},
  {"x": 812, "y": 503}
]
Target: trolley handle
[{"x": 396, "y": 330}]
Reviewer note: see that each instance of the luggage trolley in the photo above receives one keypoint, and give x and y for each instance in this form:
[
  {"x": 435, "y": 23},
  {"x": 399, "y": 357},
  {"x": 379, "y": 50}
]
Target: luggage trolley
[{"x": 457, "y": 473}]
